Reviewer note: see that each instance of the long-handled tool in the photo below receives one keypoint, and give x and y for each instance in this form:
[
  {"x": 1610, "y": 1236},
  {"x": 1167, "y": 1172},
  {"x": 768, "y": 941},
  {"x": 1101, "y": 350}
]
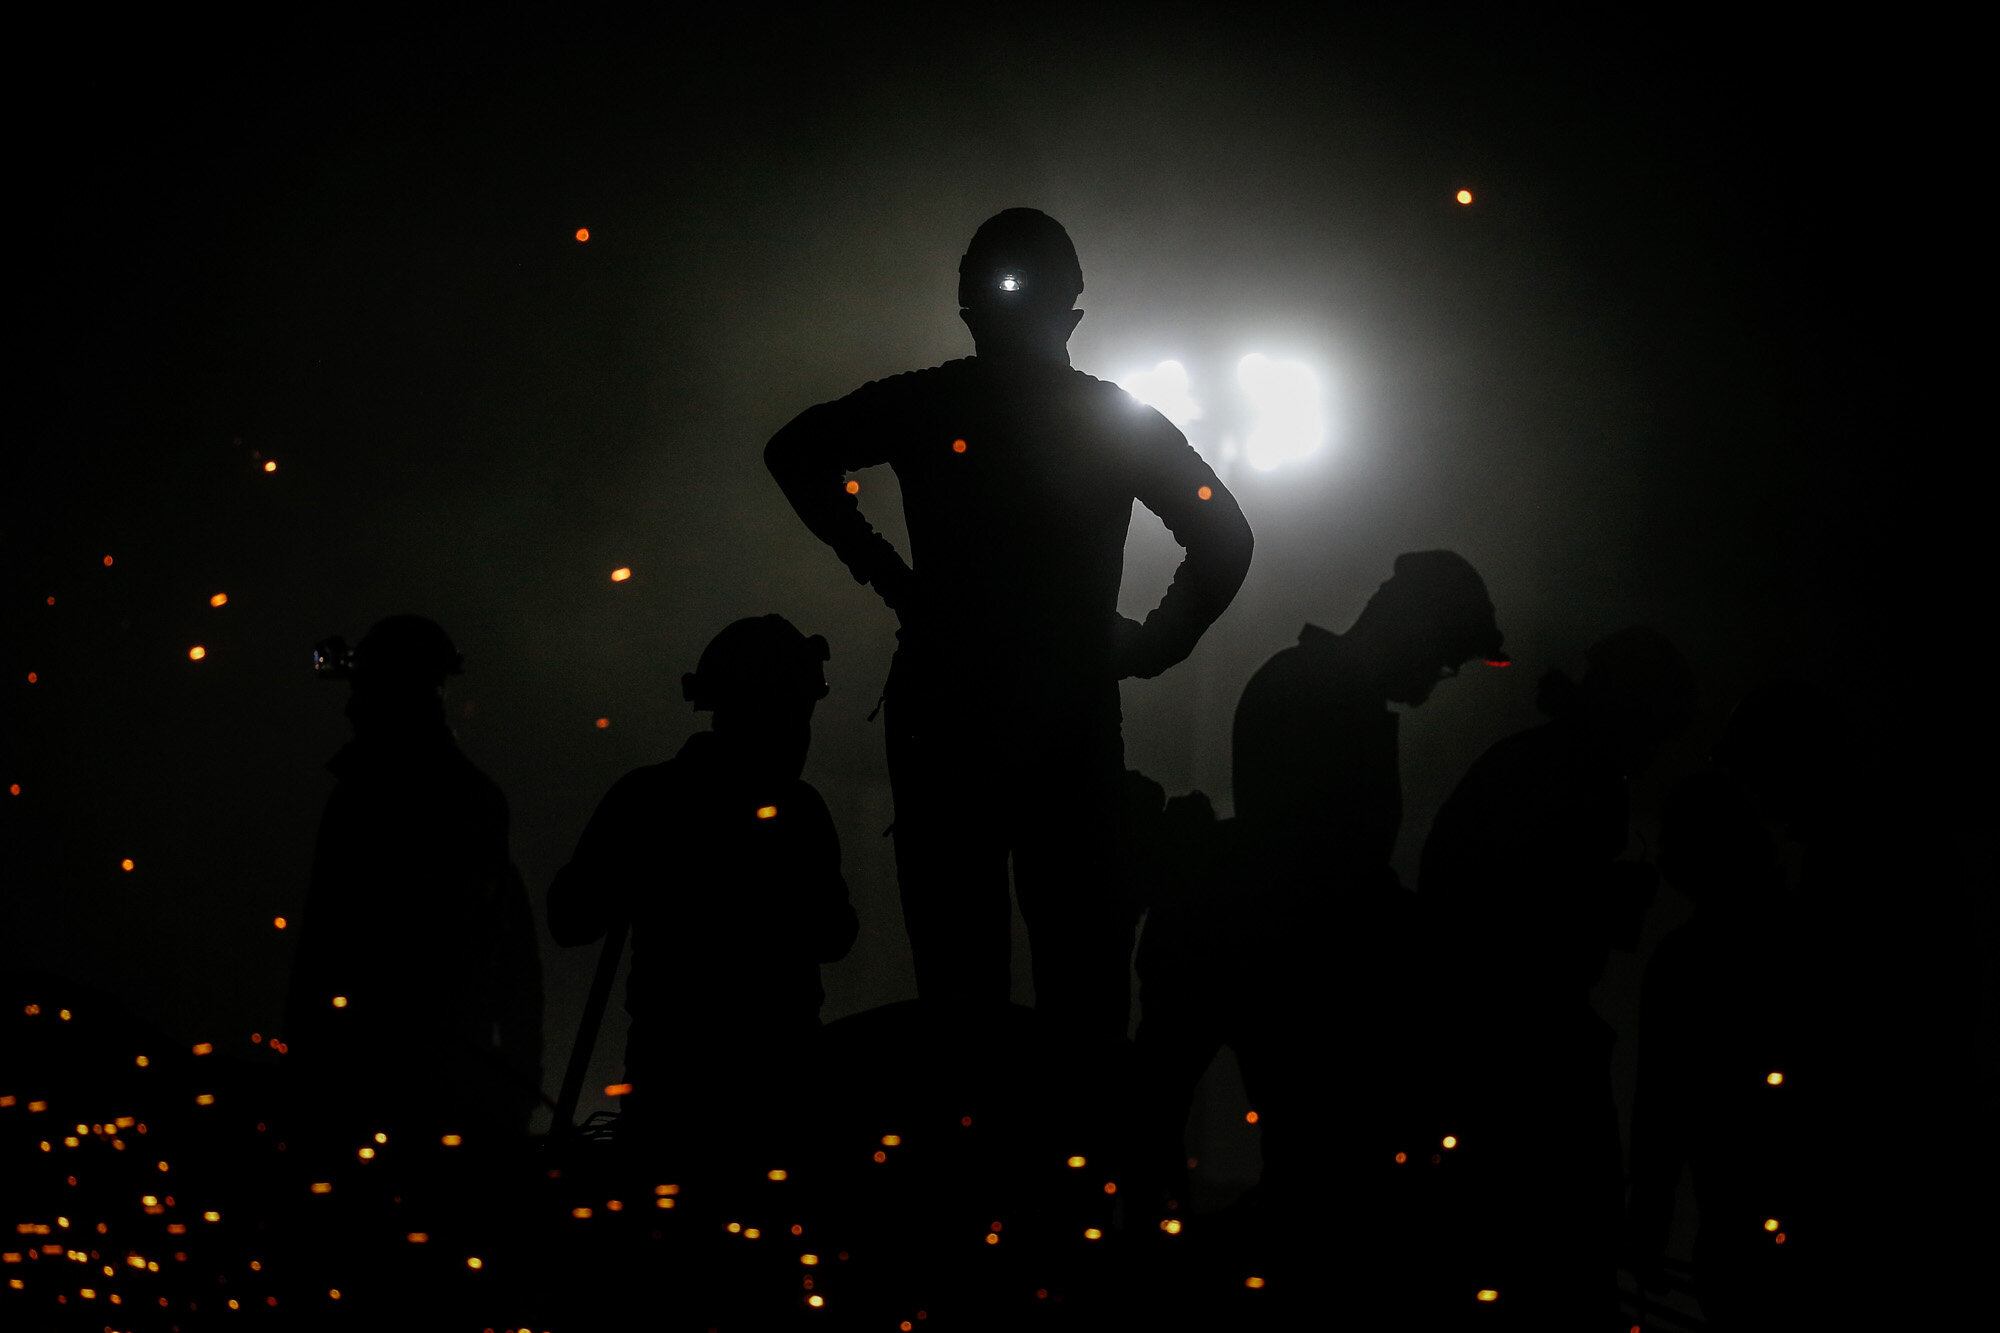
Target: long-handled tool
[{"x": 586, "y": 1034}]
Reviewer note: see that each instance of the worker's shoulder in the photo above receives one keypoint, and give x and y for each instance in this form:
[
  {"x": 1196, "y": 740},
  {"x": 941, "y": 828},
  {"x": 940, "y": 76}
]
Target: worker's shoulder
[{"x": 918, "y": 383}]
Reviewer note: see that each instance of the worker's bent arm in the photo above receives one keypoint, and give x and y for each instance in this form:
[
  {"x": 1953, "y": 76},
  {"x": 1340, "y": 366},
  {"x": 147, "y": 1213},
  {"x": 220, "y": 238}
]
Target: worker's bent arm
[
  {"x": 1205, "y": 519},
  {"x": 811, "y": 457}
]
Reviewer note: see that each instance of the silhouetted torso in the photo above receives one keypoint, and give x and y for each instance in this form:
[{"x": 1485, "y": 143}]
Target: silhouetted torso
[
  {"x": 1017, "y": 539},
  {"x": 1314, "y": 760},
  {"x": 417, "y": 918},
  {"x": 732, "y": 884}
]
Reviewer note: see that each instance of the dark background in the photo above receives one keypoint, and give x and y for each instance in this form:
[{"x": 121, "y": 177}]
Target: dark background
[{"x": 1689, "y": 360}]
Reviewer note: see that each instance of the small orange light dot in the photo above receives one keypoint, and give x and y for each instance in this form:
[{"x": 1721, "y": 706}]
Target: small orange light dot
[
  {"x": 418, "y": 1237},
  {"x": 1110, "y": 1187},
  {"x": 957, "y": 447},
  {"x": 620, "y": 574},
  {"x": 14, "y": 789},
  {"x": 204, "y": 1048},
  {"x": 1092, "y": 1233},
  {"x": 881, "y": 1156},
  {"x": 1401, "y": 1158},
  {"x": 220, "y": 599},
  {"x": 1250, "y": 1118},
  {"x": 1770, "y": 1224},
  {"x": 452, "y": 1140},
  {"x": 1204, "y": 494},
  {"x": 1780, "y": 1238},
  {"x": 126, "y": 864},
  {"x": 340, "y": 1001},
  {"x": 618, "y": 1089},
  {"x": 815, "y": 1301},
  {"x": 767, "y": 812},
  {"x": 142, "y": 1062},
  {"x": 1253, "y": 1282},
  {"x": 603, "y": 722},
  {"x": 279, "y": 922},
  {"x": 107, "y": 561},
  {"x": 1774, "y": 1078},
  {"x": 853, "y": 488},
  {"x": 1450, "y": 1141},
  {"x": 1076, "y": 1161},
  {"x": 992, "y": 1239},
  {"x": 271, "y": 466},
  {"x": 1465, "y": 196},
  {"x": 583, "y": 233},
  {"x": 32, "y": 678},
  {"x": 892, "y": 1140},
  {"x": 579, "y": 1213},
  {"x": 196, "y": 653},
  {"x": 774, "y": 1175},
  {"x": 475, "y": 1262},
  {"x": 1488, "y": 1294}
]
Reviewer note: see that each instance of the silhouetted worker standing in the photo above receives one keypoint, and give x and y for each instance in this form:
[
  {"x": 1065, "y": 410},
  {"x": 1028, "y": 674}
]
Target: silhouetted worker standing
[
  {"x": 1522, "y": 871},
  {"x": 416, "y": 997},
  {"x": 1018, "y": 477},
  {"x": 1715, "y": 1021},
  {"x": 727, "y": 866},
  {"x": 1312, "y": 973}
]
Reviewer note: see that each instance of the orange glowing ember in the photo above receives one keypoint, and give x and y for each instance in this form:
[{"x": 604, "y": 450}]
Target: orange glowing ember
[
  {"x": 271, "y": 466},
  {"x": 1204, "y": 494},
  {"x": 279, "y": 922},
  {"x": 196, "y": 653},
  {"x": 126, "y": 864},
  {"x": 603, "y": 722},
  {"x": 1488, "y": 1294},
  {"x": 767, "y": 812},
  {"x": 583, "y": 233},
  {"x": 1253, "y": 1282},
  {"x": 107, "y": 560},
  {"x": 1465, "y": 197},
  {"x": 1774, "y": 1078},
  {"x": 957, "y": 447},
  {"x": 220, "y": 599},
  {"x": 618, "y": 1089},
  {"x": 1250, "y": 1118},
  {"x": 854, "y": 488},
  {"x": 620, "y": 574}
]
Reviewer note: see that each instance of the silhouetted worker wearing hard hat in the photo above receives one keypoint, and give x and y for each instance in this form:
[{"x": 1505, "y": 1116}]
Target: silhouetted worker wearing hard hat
[
  {"x": 416, "y": 997},
  {"x": 727, "y": 866},
  {"x": 1018, "y": 476},
  {"x": 1523, "y": 872},
  {"x": 1303, "y": 954}
]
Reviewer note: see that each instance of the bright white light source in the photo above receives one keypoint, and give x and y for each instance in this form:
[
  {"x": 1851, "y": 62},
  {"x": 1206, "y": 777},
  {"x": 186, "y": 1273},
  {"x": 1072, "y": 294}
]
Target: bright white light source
[
  {"x": 1285, "y": 396},
  {"x": 1164, "y": 388},
  {"x": 1010, "y": 282}
]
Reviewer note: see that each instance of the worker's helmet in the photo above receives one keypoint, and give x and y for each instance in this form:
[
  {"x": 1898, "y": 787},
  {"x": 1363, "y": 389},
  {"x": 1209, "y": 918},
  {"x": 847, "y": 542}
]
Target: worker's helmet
[
  {"x": 1442, "y": 592},
  {"x": 399, "y": 651},
  {"x": 1020, "y": 259},
  {"x": 758, "y": 659}
]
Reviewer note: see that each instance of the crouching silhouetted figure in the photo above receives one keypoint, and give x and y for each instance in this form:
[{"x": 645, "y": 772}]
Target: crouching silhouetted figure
[
  {"x": 1523, "y": 874},
  {"x": 416, "y": 997},
  {"x": 1712, "y": 1029},
  {"x": 727, "y": 866},
  {"x": 1301, "y": 950}
]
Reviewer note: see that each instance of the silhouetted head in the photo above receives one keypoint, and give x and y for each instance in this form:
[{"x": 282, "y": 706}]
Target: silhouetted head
[
  {"x": 1638, "y": 693},
  {"x": 1016, "y": 286},
  {"x": 1783, "y": 742},
  {"x": 1429, "y": 619},
  {"x": 1714, "y": 847},
  {"x": 761, "y": 678},
  {"x": 398, "y": 671}
]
